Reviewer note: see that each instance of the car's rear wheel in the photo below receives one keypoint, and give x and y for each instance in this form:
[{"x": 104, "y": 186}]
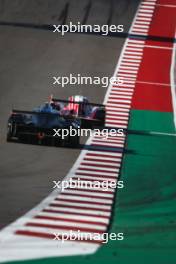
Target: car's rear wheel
[
  {"x": 11, "y": 131},
  {"x": 100, "y": 115}
]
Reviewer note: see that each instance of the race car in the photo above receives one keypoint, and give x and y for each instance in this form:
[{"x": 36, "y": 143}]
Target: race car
[
  {"x": 90, "y": 114},
  {"x": 38, "y": 126}
]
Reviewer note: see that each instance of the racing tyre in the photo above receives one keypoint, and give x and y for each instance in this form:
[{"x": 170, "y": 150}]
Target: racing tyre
[
  {"x": 11, "y": 131},
  {"x": 100, "y": 115}
]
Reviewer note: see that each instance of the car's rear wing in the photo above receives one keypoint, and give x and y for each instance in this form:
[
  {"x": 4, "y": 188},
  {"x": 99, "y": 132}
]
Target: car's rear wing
[
  {"x": 25, "y": 112},
  {"x": 72, "y": 102}
]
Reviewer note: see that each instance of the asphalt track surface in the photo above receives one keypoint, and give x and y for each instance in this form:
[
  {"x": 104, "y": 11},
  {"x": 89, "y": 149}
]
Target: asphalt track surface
[{"x": 29, "y": 59}]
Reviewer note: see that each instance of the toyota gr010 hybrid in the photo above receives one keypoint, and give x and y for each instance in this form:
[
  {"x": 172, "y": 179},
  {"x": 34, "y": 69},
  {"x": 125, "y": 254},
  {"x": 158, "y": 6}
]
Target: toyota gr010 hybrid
[{"x": 90, "y": 114}]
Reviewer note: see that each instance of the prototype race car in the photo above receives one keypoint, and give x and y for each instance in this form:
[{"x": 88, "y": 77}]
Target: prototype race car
[
  {"x": 90, "y": 114},
  {"x": 38, "y": 126}
]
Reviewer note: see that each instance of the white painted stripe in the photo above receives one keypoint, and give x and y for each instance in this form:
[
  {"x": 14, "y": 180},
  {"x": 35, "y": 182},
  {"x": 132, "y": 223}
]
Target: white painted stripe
[
  {"x": 106, "y": 159},
  {"x": 120, "y": 145},
  {"x": 117, "y": 117},
  {"x": 172, "y": 79},
  {"x": 72, "y": 210},
  {"x": 126, "y": 84},
  {"x": 86, "y": 199},
  {"x": 139, "y": 29},
  {"x": 134, "y": 45},
  {"x": 104, "y": 153},
  {"x": 158, "y": 47},
  {"x": 143, "y": 10},
  {"x": 165, "y": 5},
  {"x": 97, "y": 168},
  {"x": 67, "y": 223},
  {"x": 139, "y": 22},
  {"x": 139, "y": 53},
  {"x": 118, "y": 125},
  {"x": 144, "y": 19},
  {"x": 134, "y": 49},
  {"x": 144, "y": 5},
  {"x": 119, "y": 121},
  {"x": 121, "y": 96},
  {"x": 75, "y": 217},
  {"x": 108, "y": 140},
  {"x": 120, "y": 101},
  {"x": 154, "y": 83},
  {"x": 136, "y": 41},
  {"x": 132, "y": 60},
  {"x": 130, "y": 64},
  {"x": 128, "y": 75},
  {"x": 118, "y": 109},
  {"x": 129, "y": 67},
  {"x": 86, "y": 205},
  {"x": 142, "y": 30},
  {"x": 101, "y": 162},
  {"x": 118, "y": 113},
  {"x": 128, "y": 71},
  {"x": 117, "y": 92},
  {"x": 72, "y": 191},
  {"x": 140, "y": 33},
  {"x": 97, "y": 172},
  {"x": 121, "y": 105},
  {"x": 141, "y": 26},
  {"x": 133, "y": 56},
  {"x": 144, "y": 14}
]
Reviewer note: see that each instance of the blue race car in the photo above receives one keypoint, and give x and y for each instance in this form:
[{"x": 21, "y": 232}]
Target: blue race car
[{"x": 38, "y": 126}]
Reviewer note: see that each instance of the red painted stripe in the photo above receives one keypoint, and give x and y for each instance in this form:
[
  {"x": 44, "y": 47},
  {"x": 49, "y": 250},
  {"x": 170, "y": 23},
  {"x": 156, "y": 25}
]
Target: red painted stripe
[
  {"x": 69, "y": 220},
  {"x": 80, "y": 207},
  {"x": 119, "y": 97},
  {"x": 112, "y": 118},
  {"x": 95, "y": 191},
  {"x": 80, "y": 202},
  {"x": 53, "y": 226},
  {"x": 70, "y": 213},
  {"x": 95, "y": 170},
  {"x": 94, "y": 175},
  {"x": 106, "y": 146},
  {"x": 99, "y": 165},
  {"x": 120, "y": 102},
  {"x": 116, "y": 114},
  {"x": 110, "y": 161},
  {"x": 102, "y": 155},
  {"x": 86, "y": 196},
  {"x": 122, "y": 110}
]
